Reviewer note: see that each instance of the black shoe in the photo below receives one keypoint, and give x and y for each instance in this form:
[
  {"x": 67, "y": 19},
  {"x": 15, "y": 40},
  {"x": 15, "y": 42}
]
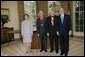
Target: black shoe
[
  {"x": 61, "y": 53},
  {"x": 56, "y": 51},
  {"x": 45, "y": 50},
  {"x": 66, "y": 54},
  {"x": 51, "y": 50},
  {"x": 41, "y": 50}
]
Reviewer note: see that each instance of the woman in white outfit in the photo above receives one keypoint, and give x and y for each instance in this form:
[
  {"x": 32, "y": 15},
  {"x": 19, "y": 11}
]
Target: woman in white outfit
[{"x": 27, "y": 32}]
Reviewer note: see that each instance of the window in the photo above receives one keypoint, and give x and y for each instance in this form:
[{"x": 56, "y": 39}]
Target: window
[
  {"x": 79, "y": 16},
  {"x": 54, "y": 5},
  {"x": 30, "y": 9}
]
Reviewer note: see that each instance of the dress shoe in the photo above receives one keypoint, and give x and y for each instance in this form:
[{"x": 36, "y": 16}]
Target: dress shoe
[
  {"x": 56, "y": 51},
  {"x": 41, "y": 50},
  {"x": 61, "y": 53},
  {"x": 45, "y": 50},
  {"x": 51, "y": 50},
  {"x": 66, "y": 54}
]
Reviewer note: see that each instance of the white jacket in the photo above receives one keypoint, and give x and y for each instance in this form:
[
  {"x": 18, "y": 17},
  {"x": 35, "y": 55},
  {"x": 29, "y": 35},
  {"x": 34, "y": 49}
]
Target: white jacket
[{"x": 27, "y": 30}]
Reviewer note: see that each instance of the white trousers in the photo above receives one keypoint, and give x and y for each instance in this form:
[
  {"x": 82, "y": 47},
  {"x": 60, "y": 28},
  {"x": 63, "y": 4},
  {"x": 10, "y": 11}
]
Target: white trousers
[{"x": 27, "y": 46}]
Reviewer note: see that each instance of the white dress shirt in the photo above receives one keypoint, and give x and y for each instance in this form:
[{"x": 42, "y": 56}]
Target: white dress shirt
[{"x": 62, "y": 17}]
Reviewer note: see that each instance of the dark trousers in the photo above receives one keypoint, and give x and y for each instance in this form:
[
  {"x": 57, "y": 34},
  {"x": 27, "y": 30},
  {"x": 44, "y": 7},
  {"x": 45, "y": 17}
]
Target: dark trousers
[
  {"x": 43, "y": 41},
  {"x": 53, "y": 42},
  {"x": 64, "y": 43}
]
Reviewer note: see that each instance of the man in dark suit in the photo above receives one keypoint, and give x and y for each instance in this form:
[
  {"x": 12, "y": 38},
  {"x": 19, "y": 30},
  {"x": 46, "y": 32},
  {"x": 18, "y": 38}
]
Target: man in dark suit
[
  {"x": 64, "y": 26},
  {"x": 41, "y": 31},
  {"x": 51, "y": 31}
]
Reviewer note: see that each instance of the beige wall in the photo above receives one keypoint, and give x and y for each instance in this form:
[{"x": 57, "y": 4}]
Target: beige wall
[
  {"x": 13, "y": 16},
  {"x": 42, "y": 5}
]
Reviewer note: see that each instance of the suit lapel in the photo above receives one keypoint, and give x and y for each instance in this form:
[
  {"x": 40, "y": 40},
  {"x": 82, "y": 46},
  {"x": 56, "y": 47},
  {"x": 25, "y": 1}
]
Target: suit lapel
[
  {"x": 60, "y": 19},
  {"x": 50, "y": 19},
  {"x": 64, "y": 19}
]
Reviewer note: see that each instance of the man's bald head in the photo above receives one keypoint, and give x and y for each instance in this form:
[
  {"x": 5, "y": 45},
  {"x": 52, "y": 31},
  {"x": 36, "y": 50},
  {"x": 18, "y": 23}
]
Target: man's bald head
[
  {"x": 40, "y": 13},
  {"x": 51, "y": 12}
]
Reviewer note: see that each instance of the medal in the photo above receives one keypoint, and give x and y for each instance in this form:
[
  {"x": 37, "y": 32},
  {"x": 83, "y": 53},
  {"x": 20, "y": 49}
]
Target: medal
[{"x": 41, "y": 24}]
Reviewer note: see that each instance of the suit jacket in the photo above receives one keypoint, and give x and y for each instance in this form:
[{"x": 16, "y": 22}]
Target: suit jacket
[
  {"x": 49, "y": 27},
  {"x": 66, "y": 26},
  {"x": 41, "y": 25}
]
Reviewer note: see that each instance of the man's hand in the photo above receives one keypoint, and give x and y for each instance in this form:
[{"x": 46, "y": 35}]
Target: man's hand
[
  {"x": 57, "y": 33},
  {"x": 70, "y": 32},
  {"x": 47, "y": 34},
  {"x": 38, "y": 34}
]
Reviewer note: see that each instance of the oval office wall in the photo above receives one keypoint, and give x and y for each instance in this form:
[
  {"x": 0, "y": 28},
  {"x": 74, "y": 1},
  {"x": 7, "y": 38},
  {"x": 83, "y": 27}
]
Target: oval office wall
[{"x": 77, "y": 24}]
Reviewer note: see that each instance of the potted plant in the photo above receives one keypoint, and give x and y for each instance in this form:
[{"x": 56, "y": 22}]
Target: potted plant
[{"x": 4, "y": 19}]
